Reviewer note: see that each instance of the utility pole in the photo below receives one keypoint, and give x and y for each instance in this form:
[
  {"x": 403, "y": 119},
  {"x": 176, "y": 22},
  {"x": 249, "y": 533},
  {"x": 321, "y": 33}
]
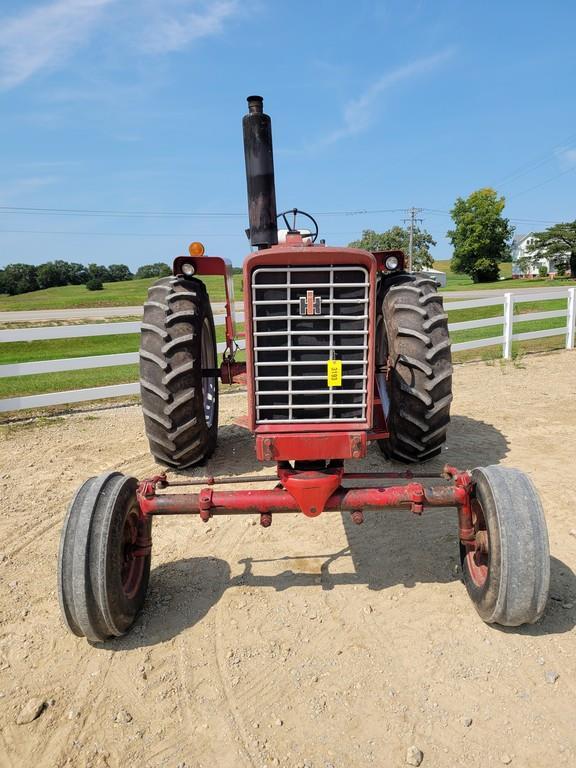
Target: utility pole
[{"x": 412, "y": 221}]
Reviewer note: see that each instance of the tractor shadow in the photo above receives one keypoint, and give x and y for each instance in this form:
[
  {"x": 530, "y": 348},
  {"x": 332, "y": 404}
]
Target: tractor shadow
[
  {"x": 183, "y": 592},
  {"x": 470, "y": 443},
  {"x": 391, "y": 548},
  {"x": 560, "y": 614}
]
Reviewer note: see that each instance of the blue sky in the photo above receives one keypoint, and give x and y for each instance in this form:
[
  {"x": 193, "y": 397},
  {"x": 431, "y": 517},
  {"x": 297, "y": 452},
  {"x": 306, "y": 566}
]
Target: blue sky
[{"x": 136, "y": 105}]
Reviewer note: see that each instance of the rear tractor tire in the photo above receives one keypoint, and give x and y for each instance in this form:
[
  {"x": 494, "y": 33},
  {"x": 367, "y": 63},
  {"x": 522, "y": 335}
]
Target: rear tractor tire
[
  {"x": 507, "y": 571},
  {"x": 104, "y": 558},
  {"x": 178, "y": 342},
  {"x": 414, "y": 346}
]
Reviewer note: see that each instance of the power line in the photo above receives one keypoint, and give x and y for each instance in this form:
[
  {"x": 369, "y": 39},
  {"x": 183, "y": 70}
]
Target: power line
[
  {"x": 240, "y": 233},
  {"x": 438, "y": 212},
  {"x": 109, "y": 213},
  {"x": 412, "y": 212},
  {"x": 542, "y": 183},
  {"x": 89, "y": 212},
  {"x": 539, "y": 161}
]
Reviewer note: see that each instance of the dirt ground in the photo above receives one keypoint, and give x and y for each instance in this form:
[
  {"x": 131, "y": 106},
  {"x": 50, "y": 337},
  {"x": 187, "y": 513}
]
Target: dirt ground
[{"x": 312, "y": 643}]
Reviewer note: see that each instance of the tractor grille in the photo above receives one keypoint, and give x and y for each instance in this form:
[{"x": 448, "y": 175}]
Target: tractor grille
[{"x": 303, "y": 317}]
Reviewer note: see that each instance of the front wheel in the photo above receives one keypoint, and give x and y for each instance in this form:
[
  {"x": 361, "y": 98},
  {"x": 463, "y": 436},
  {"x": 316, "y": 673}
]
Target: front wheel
[
  {"x": 413, "y": 347},
  {"x": 507, "y": 569},
  {"x": 104, "y": 558},
  {"x": 178, "y": 346}
]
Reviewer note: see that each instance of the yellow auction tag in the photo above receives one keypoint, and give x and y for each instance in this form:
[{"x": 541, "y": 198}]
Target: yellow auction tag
[{"x": 334, "y": 374}]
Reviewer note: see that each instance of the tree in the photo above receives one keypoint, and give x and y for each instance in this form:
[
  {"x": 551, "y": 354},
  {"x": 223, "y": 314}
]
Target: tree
[
  {"x": 159, "y": 269},
  {"x": 95, "y": 284},
  {"x": 525, "y": 263},
  {"x": 558, "y": 245},
  {"x": 19, "y": 278},
  {"x": 98, "y": 272},
  {"x": 119, "y": 272},
  {"x": 77, "y": 274},
  {"x": 52, "y": 273},
  {"x": 481, "y": 237},
  {"x": 398, "y": 238}
]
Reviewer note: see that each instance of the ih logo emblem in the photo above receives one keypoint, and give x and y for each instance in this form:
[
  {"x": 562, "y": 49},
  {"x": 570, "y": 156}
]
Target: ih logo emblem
[{"x": 310, "y": 304}]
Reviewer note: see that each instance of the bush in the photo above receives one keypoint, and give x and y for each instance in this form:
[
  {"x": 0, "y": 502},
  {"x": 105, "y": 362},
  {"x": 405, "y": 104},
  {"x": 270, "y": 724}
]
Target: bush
[
  {"x": 95, "y": 284},
  {"x": 543, "y": 270}
]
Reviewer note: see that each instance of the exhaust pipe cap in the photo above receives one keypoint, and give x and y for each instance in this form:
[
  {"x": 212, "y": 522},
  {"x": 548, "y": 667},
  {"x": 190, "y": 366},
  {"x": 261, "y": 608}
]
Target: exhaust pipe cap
[{"x": 255, "y": 105}]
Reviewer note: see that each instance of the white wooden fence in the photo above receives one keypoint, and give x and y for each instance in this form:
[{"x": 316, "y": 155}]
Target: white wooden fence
[{"x": 507, "y": 320}]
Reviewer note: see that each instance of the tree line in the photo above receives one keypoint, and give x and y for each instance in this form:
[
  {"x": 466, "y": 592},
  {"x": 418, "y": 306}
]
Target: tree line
[
  {"x": 481, "y": 240},
  {"x": 23, "y": 278}
]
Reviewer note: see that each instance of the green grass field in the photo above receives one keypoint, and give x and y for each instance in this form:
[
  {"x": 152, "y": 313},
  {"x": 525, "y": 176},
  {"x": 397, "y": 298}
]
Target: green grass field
[
  {"x": 134, "y": 292},
  {"x": 53, "y": 349},
  {"x": 59, "y": 349},
  {"x": 455, "y": 282},
  {"x": 131, "y": 293}
]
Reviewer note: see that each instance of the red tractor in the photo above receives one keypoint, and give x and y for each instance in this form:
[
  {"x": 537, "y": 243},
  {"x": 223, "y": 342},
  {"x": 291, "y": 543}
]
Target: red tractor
[{"x": 343, "y": 347}]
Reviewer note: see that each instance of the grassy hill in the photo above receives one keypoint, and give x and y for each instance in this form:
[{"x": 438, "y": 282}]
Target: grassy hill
[
  {"x": 455, "y": 282},
  {"x": 133, "y": 292},
  {"x": 125, "y": 294}
]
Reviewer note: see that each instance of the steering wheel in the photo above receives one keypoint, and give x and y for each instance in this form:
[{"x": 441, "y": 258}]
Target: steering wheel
[{"x": 295, "y": 212}]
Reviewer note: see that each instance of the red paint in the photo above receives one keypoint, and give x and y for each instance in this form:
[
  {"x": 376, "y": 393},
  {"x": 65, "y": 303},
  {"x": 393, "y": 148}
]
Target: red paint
[
  {"x": 308, "y": 446},
  {"x": 214, "y": 265},
  {"x": 232, "y": 372},
  {"x": 381, "y": 257},
  {"x": 297, "y": 254},
  {"x": 295, "y": 494},
  {"x": 478, "y": 544},
  {"x": 311, "y": 490}
]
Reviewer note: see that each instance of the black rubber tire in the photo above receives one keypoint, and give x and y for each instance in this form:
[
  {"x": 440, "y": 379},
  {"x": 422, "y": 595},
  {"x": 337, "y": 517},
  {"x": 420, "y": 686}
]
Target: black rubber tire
[
  {"x": 516, "y": 588},
  {"x": 93, "y": 599},
  {"x": 177, "y": 322},
  {"x": 412, "y": 333}
]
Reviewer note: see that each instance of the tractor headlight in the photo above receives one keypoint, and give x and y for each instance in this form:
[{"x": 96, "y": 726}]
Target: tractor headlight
[
  {"x": 391, "y": 263},
  {"x": 188, "y": 269}
]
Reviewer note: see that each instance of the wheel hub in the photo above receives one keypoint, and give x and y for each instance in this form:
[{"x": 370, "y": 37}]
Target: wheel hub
[
  {"x": 209, "y": 383},
  {"x": 133, "y": 553},
  {"x": 478, "y": 557}
]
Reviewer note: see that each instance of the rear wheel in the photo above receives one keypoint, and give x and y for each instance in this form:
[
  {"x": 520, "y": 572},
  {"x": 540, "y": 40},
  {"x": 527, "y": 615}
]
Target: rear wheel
[
  {"x": 507, "y": 570},
  {"x": 104, "y": 558},
  {"x": 413, "y": 346},
  {"x": 178, "y": 343}
]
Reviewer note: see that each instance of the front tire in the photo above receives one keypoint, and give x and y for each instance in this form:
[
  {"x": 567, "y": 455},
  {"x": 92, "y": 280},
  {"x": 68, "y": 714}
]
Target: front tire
[
  {"x": 178, "y": 342},
  {"x": 104, "y": 558},
  {"x": 414, "y": 346},
  {"x": 507, "y": 571}
]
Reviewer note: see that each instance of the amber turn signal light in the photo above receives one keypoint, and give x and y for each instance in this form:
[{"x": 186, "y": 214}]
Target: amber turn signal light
[{"x": 196, "y": 249}]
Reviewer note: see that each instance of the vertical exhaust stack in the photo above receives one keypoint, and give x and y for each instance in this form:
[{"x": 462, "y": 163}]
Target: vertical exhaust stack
[{"x": 259, "y": 157}]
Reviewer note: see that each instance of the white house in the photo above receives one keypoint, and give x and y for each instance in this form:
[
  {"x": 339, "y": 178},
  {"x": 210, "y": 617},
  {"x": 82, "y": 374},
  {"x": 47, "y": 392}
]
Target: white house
[{"x": 520, "y": 246}]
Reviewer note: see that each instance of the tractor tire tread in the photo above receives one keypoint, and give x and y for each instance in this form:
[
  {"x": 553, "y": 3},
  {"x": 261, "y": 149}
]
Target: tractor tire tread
[
  {"x": 171, "y": 374},
  {"x": 411, "y": 308},
  {"x": 423, "y": 337},
  {"x": 518, "y": 584},
  {"x": 420, "y": 388}
]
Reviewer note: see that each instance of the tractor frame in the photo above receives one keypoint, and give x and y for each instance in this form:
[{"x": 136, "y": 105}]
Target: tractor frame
[{"x": 401, "y": 399}]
